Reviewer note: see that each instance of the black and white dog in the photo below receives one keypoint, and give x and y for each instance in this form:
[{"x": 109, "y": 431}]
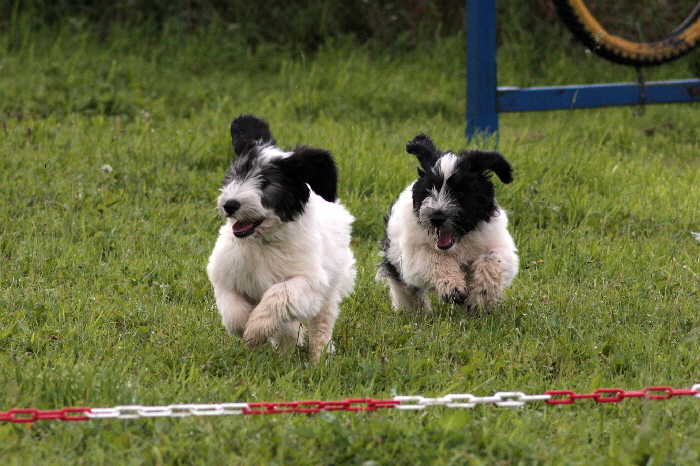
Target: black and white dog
[
  {"x": 447, "y": 233},
  {"x": 283, "y": 256}
]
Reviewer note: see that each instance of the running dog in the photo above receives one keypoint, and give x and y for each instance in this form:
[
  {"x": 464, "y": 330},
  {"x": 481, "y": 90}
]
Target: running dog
[
  {"x": 447, "y": 233},
  {"x": 283, "y": 257}
]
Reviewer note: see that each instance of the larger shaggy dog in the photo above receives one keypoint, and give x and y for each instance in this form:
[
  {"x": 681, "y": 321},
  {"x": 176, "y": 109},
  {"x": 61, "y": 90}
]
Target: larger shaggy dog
[
  {"x": 447, "y": 233},
  {"x": 283, "y": 256}
]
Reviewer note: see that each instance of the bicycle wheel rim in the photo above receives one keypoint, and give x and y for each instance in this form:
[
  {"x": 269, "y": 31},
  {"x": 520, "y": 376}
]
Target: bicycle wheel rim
[{"x": 586, "y": 28}]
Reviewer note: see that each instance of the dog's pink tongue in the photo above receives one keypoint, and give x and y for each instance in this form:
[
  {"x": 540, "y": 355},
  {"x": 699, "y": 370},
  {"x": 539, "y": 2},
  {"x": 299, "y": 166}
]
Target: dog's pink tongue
[
  {"x": 444, "y": 239},
  {"x": 242, "y": 226}
]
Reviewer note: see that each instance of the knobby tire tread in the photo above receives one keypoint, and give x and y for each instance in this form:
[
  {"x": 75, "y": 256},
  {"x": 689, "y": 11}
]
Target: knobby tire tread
[{"x": 576, "y": 17}]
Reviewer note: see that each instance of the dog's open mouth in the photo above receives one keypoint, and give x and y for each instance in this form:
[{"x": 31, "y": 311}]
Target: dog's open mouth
[
  {"x": 444, "y": 239},
  {"x": 243, "y": 229}
]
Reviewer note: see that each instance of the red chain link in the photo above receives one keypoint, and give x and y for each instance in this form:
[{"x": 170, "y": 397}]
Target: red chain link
[
  {"x": 31, "y": 415},
  {"x": 615, "y": 395}
]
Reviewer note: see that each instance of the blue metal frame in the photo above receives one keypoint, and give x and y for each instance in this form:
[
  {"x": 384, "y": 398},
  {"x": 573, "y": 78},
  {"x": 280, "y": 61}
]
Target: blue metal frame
[
  {"x": 481, "y": 67},
  {"x": 485, "y": 100}
]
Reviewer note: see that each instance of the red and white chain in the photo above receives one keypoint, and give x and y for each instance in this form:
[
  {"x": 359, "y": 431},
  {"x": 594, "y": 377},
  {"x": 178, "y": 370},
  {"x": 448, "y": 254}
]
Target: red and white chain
[{"x": 455, "y": 400}]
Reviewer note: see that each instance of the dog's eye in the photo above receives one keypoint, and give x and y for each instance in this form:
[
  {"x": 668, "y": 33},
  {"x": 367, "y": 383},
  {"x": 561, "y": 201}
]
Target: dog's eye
[{"x": 264, "y": 183}]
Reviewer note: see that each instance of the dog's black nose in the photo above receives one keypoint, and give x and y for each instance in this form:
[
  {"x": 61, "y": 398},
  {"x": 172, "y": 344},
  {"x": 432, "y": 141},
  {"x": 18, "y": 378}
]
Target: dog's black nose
[
  {"x": 231, "y": 206},
  {"x": 438, "y": 219}
]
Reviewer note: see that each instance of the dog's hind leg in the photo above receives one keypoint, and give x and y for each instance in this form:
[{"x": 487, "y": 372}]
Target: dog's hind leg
[
  {"x": 290, "y": 334},
  {"x": 410, "y": 298},
  {"x": 321, "y": 329}
]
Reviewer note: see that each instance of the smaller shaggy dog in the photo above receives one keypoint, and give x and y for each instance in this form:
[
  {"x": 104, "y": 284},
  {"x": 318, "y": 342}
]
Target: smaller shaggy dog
[
  {"x": 283, "y": 256},
  {"x": 447, "y": 233}
]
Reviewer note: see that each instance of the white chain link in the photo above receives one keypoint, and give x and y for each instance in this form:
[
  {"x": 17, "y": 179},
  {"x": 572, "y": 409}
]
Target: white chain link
[
  {"x": 184, "y": 410},
  {"x": 696, "y": 388},
  {"x": 467, "y": 400},
  {"x": 416, "y": 402},
  {"x": 516, "y": 399}
]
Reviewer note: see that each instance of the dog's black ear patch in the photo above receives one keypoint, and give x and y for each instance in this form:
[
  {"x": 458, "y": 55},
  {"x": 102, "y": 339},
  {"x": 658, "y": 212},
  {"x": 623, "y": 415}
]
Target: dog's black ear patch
[
  {"x": 248, "y": 131},
  {"x": 424, "y": 149},
  {"x": 314, "y": 167},
  {"x": 484, "y": 161}
]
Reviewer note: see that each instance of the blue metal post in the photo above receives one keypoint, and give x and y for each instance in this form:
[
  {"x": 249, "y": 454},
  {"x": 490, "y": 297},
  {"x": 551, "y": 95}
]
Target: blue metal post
[
  {"x": 485, "y": 100},
  {"x": 482, "y": 117}
]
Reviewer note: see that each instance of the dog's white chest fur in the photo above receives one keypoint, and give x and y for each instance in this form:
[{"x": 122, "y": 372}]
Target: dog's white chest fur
[{"x": 310, "y": 246}]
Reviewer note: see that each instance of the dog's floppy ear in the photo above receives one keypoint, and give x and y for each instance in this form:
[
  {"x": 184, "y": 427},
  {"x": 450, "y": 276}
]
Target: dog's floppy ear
[
  {"x": 483, "y": 161},
  {"x": 424, "y": 149},
  {"x": 314, "y": 167},
  {"x": 248, "y": 131}
]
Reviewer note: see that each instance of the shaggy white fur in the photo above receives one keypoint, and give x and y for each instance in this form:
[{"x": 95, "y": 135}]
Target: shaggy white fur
[
  {"x": 278, "y": 263},
  {"x": 488, "y": 253},
  {"x": 447, "y": 233}
]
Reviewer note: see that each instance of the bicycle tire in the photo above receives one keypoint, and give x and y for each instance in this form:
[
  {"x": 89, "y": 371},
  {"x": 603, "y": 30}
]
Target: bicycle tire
[{"x": 578, "y": 19}]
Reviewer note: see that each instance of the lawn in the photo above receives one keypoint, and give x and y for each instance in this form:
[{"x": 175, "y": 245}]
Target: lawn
[{"x": 111, "y": 155}]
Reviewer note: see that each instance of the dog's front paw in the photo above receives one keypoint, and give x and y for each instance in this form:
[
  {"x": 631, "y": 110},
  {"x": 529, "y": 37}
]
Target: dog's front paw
[
  {"x": 483, "y": 299},
  {"x": 258, "y": 330},
  {"x": 457, "y": 295}
]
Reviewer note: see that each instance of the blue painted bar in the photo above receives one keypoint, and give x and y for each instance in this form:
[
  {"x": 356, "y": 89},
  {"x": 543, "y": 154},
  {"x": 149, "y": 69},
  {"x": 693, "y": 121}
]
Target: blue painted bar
[
  {"x": 596, "y": 95},
  {"x": 485, "y": 100},
  {"x": 481, "y": 67}
]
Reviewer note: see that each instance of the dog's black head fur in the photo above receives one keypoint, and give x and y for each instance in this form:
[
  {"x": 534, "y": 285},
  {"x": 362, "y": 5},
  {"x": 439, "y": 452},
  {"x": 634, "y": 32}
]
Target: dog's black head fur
[
  {"x": 278, "y": 179},
  {"x": 454, "y": 192},
  {"x": 286, "y": 181},
  {"x": 248, "y": 131}
]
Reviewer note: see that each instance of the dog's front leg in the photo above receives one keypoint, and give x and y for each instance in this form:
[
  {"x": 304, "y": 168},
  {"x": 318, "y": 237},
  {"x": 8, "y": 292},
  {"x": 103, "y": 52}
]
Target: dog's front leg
[
  {"x": 293, "y": 299},
  {"x": 410, "y": 298},
  {"x": 447, "y": 276},
  {"x": 488, "y": 280},
  {"x": 234, "y": 310}
]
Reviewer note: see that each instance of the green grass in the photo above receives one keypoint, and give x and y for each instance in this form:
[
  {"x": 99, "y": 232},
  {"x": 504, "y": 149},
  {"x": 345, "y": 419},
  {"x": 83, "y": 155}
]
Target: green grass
[{"x": 104, "y": 298}]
